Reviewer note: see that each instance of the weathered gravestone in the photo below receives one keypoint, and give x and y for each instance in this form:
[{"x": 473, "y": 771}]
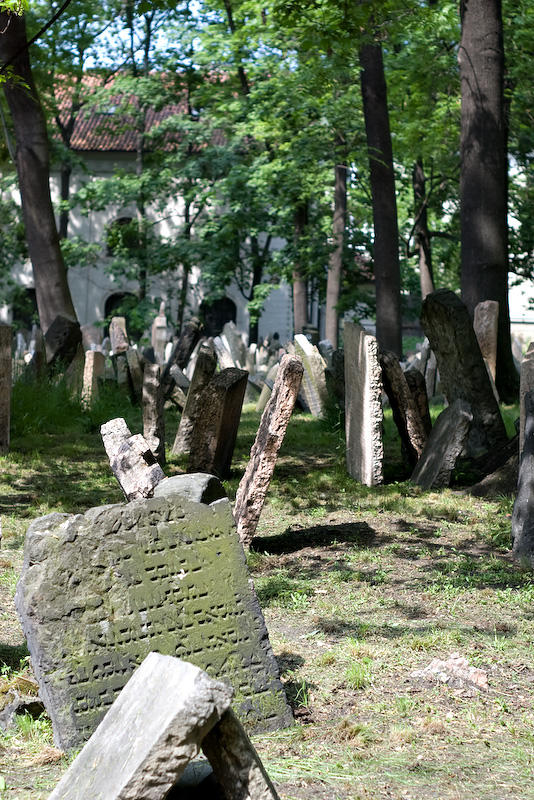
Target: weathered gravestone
[
  {"x": 405, "y": 410},
  {"x": 159, "y": 335},
  {"x": 224, "y": 356},
  {"x": 526, "y": 384},
  {"x": 135, "y": 370},
  {"x": 523, "y": 513},
  {"x": 335, "y": 377},
  {"x": 444, "y": 446},
  {"x": 463, "y": 372},
  {"x": 148, "y": 737},
  {"x": 486, "y": 324},
  {"x": 118, "y": 335},
  {"x": 38, "y": 362},
  {"x": 363, "y": 406},
  {"x": 62, "y": 339},
  {"x": 235, "y": 343},
  {"x": 5, "y": 385},
  {"x": 255, "y": 481},
  {"x": 99, "y": 591},
  {"x": 266, "y": 389},
  {"x": 94, "y": 369},
  {"x": 417, "y": 385},
  {"x": 205, "y": 366},
  {"x": 132, "y": 461},
  {"x": 313, "y": 380},
  {"x": 153, "y": 416},
  {"x": 215, "y": 430}
]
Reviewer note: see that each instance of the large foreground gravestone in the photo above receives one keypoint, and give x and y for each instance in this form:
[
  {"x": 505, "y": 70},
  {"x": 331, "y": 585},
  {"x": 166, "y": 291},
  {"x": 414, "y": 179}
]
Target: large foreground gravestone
[
  {"x": 463, "y": 372},
  {"x": 363, "y": 406},
  {"x": 99, "y": 591}
]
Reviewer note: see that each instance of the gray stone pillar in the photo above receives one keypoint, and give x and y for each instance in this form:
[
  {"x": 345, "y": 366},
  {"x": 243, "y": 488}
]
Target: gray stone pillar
[{"x": 363, "y": 406}]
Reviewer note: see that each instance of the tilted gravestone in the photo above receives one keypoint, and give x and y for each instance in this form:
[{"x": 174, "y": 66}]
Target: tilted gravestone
[
  {"x": 266, "y": 389},
  {"x": 153, "y": 416},
  {"x": 135, "y": 370},
  {"x": 486, "y": 325},
  {"x": 118, "y": 335},
  {"x": 313, "y": 380},
  {"x": 405, "y": 410},
  {"x": 94, "y": 369},
  {"x": 62, "y": 339},
  {"x": 526, "y": 384},
  {"x": 124, "y": 760},
  {"x": 205, "y": 366},
  {"x": 132, "y": 461},
  {"x": 463, "y": 372},
  {"x": 253, "y": 486},
  {"x": 363, "y": 406},
  {"x": 215, "y": 430},
  {"x": 99, "y": 591},
  {"x": 444, "y": 446},
  {"x": 235, "y": 343},
  {"x": 417, "y": 385},
  {"x": 523, "y": 513},
  {"x": 5, "y": 385}
]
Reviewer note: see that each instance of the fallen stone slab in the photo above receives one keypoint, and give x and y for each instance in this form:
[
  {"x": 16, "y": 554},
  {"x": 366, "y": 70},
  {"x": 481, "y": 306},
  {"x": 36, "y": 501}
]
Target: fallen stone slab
[
  {"x": 454, "y": 672},
  {"x": 444, "y": 446},
  {"x": 132, "y": 461},
  {"x": 199, "y": 487},
  {"x": 149, "y": 735},
  {"x": 99, "y": 591}
]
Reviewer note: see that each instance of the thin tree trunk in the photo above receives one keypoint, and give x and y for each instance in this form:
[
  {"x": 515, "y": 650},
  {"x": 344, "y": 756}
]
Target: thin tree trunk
[
  {"x": 335, "y": 267},
  {"x": 386, "y": 233},
  {"x": 32, "y": 162},
  {"x": 422, "y": 235},
  {"x": 300, "y": 305},
  {"x": 484, "y": 175},
  {"x": 65, "y": 174}
]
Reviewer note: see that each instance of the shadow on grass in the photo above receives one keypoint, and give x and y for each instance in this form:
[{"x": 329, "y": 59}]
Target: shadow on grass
[{"x": 359, "y": 533}]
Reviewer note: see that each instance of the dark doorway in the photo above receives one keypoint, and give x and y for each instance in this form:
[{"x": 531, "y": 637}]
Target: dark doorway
[{"x": 215, "y": 315}]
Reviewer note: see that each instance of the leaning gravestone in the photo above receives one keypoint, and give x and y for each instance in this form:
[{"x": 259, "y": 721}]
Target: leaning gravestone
[
  {"x": 313, "y": 380},
  {"x": 234, "y": 340},
  {"x": 363, "y": 406},
  {"x": 417, "y": 385},
  {"x": 463, "y": 372},
  {"x": 215, "y": 430},
  {"x": 523, "y": 513},
  {"x": 403, "y": 405},
  {"x": 444, "y": 446},
  {"x": 526, "y": 384},
  {"x": 124, "y": 760},
  {"x": 5, "y": 386},
  {"x": 205, "y": 366},
  {"x": 62, "y": 339},
  {"x": 94, "y": 369},
  {"x": 118, "y": 335},
  {"x": 486, "y": 324},
  {"x": 99, "y": 591}
]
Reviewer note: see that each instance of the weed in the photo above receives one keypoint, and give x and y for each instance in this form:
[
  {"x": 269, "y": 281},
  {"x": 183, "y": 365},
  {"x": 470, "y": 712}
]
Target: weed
[
  {"x": 358, "y": 675},
  {"x": 405, "y": 705}
]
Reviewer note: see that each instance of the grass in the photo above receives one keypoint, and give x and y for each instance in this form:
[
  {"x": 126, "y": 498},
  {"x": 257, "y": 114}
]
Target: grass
[{"x": 360, "y": 587}]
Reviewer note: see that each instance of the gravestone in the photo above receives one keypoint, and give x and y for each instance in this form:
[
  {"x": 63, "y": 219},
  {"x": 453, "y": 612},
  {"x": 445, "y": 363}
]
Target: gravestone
[
  {"x": 117, "y": 335},
  {"x": 463, "y": 372},
  {"x": 526, "y": 384},
  {"x": 196, "y": 486},
  {"x": 38, "y": 362},
  {"x": 313, "y": 380},
  {"x": 91, "y": 337},
  {"x": 159, "y": 335},
  {"x": 153, "y": 416},
  {"x": 5, "y": 385},
  {"x": 135, "y": 370},
  {"x": 405, "y": 410},
  {"x": 215, "y": 429},
  {"x": 444, "y": 446},
  {"x": 523, "y": 513},
  {"x": 486, "y": 324},
  {"x": 99, "y": 591},
  {"x": 95, "y": 367},
  {"x": 234, "y": 341},
  {"x": 62, "y": 339},
  {"x": 224, "y": 356},
  {"x": 266, "y": 389},
  {"x": 253, "y": 487},
  {"x": 132, "y": 461},
  {"x": 182, "y": 350},
  {"x": 205, "y": 366},
  {"x": 124, "y": 760},
  {"x": 417, "y": 385},
  {"x": 335, "y": 377},
  {"x": 120, "y": 368},
  {"x": 363, "y": 406}
]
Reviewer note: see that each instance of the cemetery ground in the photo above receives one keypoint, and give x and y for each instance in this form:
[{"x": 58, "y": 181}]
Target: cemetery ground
[{"x": 359, "y": 586}]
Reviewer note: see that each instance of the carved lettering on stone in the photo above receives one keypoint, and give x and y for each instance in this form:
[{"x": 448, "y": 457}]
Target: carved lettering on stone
[
  {"x": 363, "y": 406},
  {"x": 99, "y": 591}
]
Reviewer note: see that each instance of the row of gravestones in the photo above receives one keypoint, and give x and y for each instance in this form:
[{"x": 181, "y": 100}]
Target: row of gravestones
[{"x": 164, "y": 572}]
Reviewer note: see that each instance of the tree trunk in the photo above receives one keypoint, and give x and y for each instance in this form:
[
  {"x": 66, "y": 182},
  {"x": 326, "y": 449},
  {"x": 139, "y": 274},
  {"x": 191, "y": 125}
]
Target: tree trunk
[
  {"x": 386, "y": 233},
  {"x": 335, "y": 267},
  {"x": 422, "y": 236},
  {"x": 32, "y": 161},
  {"x": 300, "y": 305},
  {"x": 65, "y": 174},
  {"x": 484, "y": 176}
]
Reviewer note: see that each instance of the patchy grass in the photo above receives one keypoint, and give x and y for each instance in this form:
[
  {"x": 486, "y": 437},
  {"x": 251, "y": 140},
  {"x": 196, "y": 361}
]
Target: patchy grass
[{"x": 359, "y": 587}]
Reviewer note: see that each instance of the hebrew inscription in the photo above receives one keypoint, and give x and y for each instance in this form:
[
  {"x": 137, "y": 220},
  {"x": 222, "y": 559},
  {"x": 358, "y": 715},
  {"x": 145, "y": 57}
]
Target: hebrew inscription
[{"x": 100, "y": 591}]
